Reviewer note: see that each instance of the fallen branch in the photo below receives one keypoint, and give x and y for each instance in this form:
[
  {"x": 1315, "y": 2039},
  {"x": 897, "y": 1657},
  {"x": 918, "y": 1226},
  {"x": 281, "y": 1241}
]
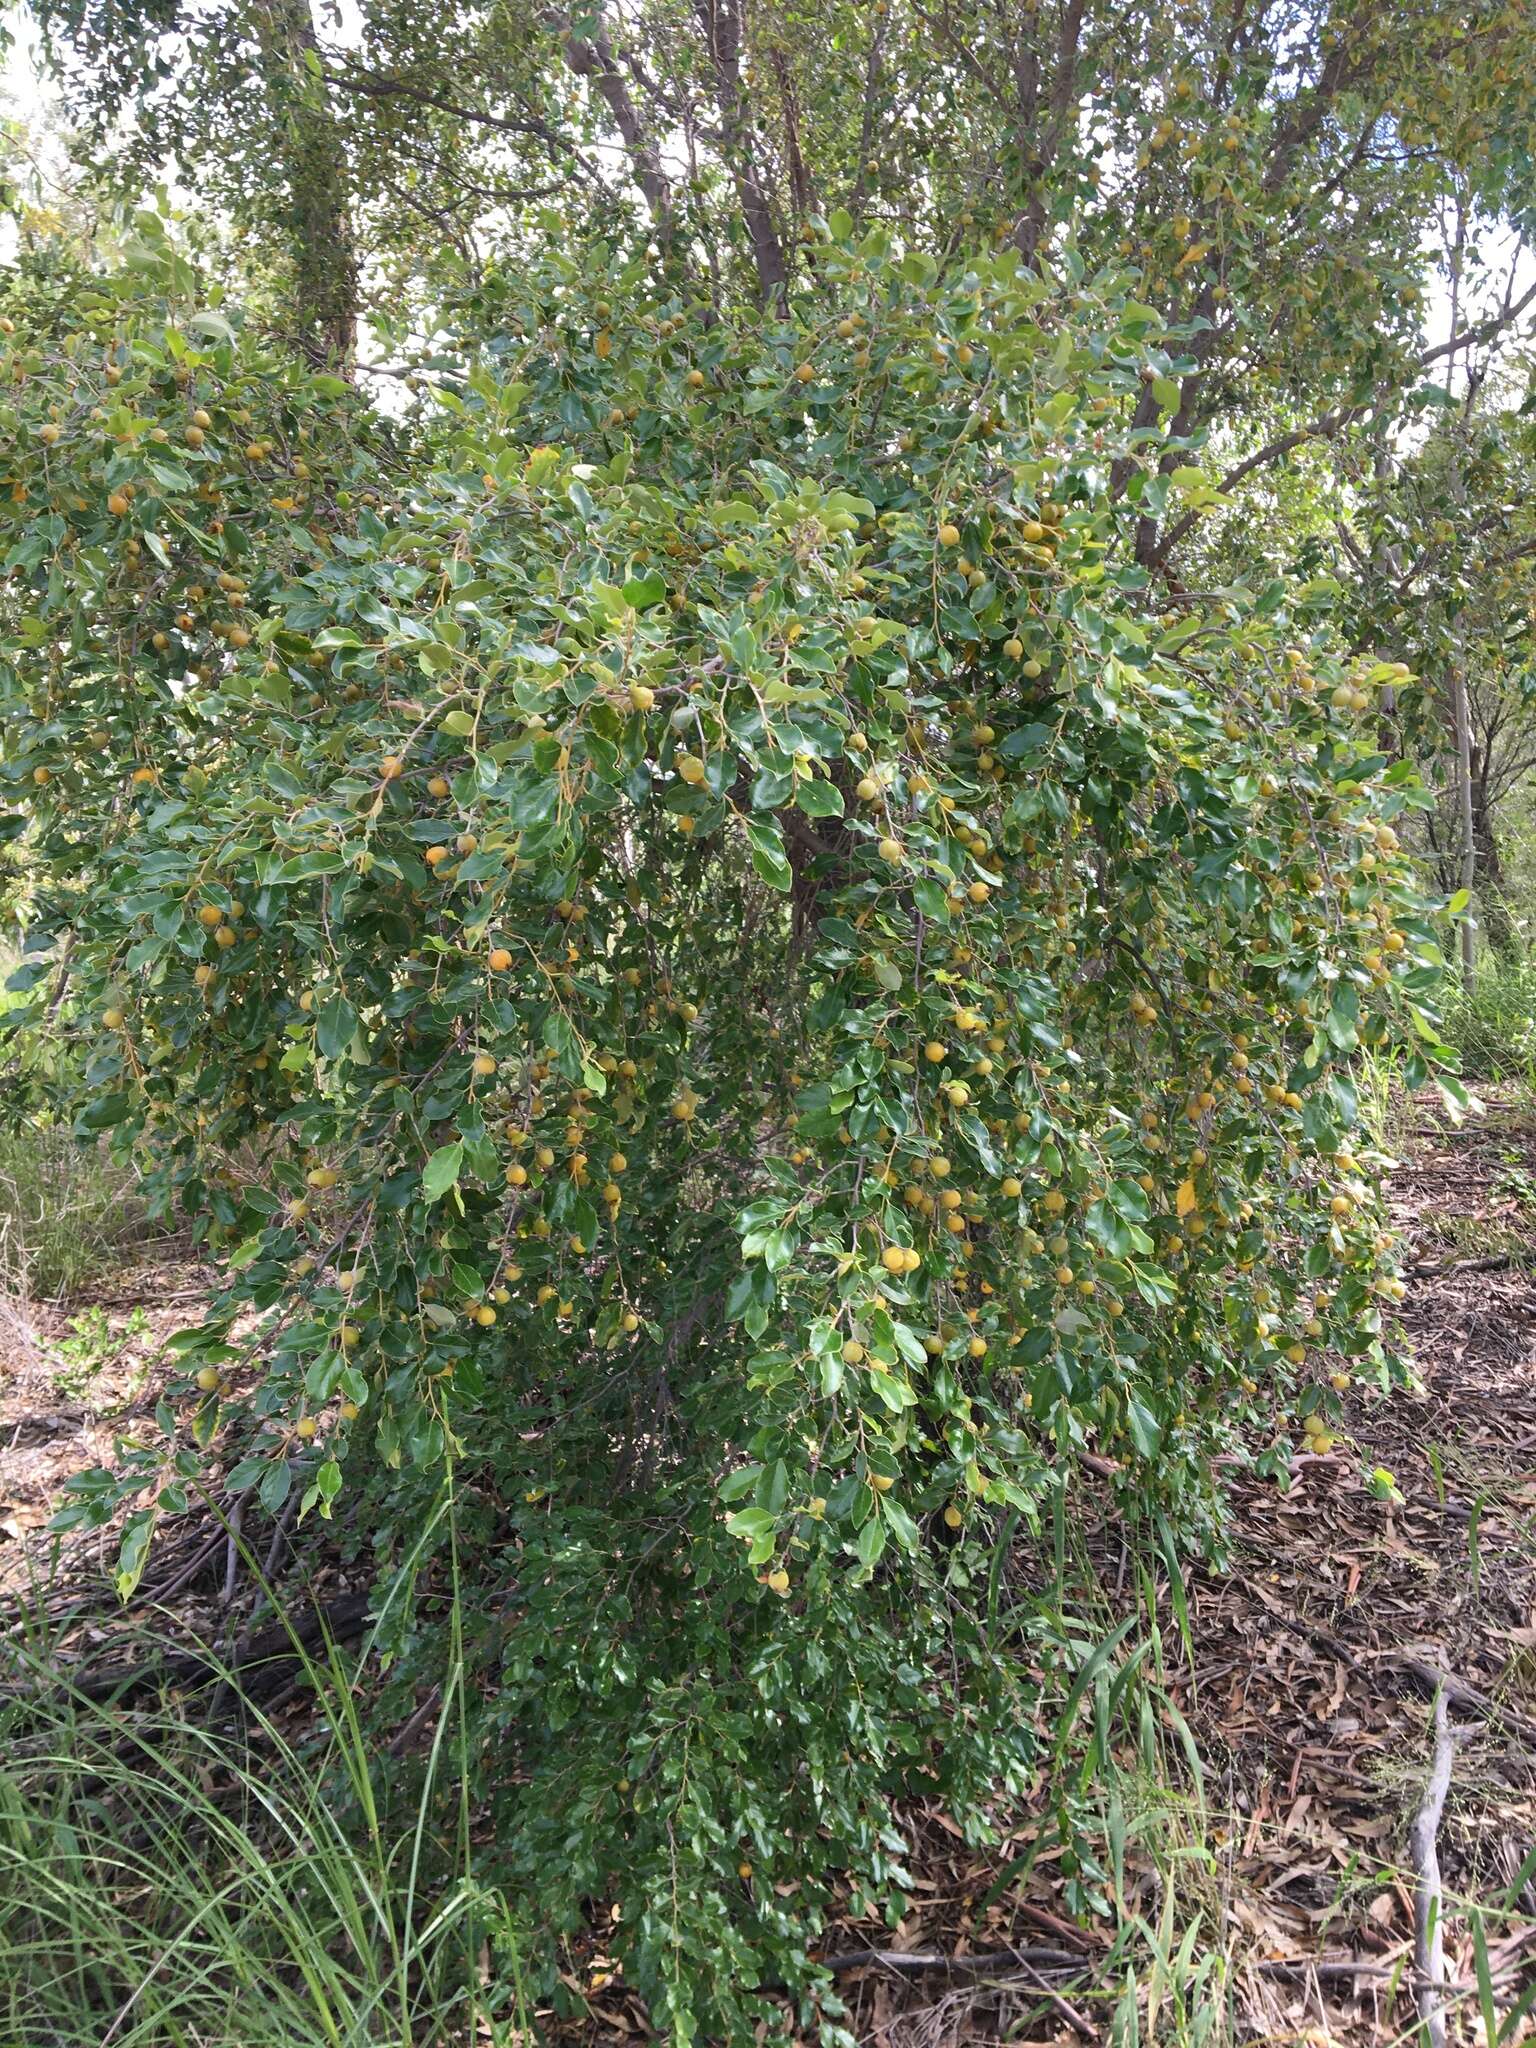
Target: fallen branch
[
  {"x": 1000, "y": 1962},
  {"x": 1493, "y": 1263},
  {"x": 259, "y": 1666},
  {"x": 1431, "y": 1678},
  {"x": 1428, "y": 1901}
]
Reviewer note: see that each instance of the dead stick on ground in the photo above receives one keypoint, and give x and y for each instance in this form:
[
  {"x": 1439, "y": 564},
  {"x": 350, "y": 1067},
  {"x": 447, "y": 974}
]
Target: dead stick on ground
[
  {"x": 1493, "y": 1263},
  {"x": 1428, "y": 1937}
]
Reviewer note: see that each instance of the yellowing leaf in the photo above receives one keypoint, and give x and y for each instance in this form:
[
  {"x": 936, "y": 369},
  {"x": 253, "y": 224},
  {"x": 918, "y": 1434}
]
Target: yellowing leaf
[{"x": 1185, "y": 1200}]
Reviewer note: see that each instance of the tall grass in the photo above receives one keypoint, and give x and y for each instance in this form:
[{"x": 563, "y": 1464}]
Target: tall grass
[
  {"x": 167, "y": 1884},
  {"x": 66, "y": 1212},
  {"x": 1492, "y": 1024}
]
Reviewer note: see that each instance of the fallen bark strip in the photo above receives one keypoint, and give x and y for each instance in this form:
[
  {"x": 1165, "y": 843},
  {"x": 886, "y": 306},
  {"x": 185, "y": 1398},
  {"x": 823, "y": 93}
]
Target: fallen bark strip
[{"x": 1428, "y": 1899}]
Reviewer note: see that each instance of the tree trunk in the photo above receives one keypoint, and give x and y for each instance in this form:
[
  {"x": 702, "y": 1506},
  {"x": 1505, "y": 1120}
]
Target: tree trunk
[
  {"x": 1468, "y": 846},
  {"x": 322, "y": 246},
  {"x": 723, "y": 25}
]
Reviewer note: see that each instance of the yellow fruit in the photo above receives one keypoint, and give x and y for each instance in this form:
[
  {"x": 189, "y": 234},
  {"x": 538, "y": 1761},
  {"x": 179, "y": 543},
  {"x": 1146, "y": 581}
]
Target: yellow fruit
[
  {"x": 1013, "y": 649},
  {"x": 112, "y": 1020},
  {"x": 485, "y": 1315},
  {"x": 499, "y": 960},
  {"x": 1012, "y": 1187},
  {"x": 949, "y": 535},
  {"x": 953, "y": 1519},
  {"x": 391, "y": 767},
  {"x": 890, "y": 851},
  {"x": 882, "y": 1482},
  {"x": 306, "y": 1427},
  {"x": 350, "y": 1411},
  {"x": 209, "y": 916},
  {"x": 210, "y": 1379},
  {"x": 641, "y": 696}
]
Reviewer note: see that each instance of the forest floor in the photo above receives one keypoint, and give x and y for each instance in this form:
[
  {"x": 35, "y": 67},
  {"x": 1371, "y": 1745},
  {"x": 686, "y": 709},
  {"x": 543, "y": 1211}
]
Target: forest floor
[{"x": 1271, "y": 1897}]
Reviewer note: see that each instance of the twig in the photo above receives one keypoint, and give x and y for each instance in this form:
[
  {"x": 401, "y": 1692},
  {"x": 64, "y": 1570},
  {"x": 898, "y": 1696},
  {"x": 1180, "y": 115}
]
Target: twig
[
  {"x": 1083, "y": 2028},
  {"x": 159, "y": 1595},
  {"x": 232, "y": 1557},
  {"x": 1428, "y": 1934}
]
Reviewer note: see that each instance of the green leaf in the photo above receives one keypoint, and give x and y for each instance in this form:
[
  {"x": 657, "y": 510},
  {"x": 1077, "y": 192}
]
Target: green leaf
[
  {"x": 766, "y": 843},
  {"x": 441, "y": 1171},
  {"x": 335, "y": 1027},
  {"x": 818, "y": 798}
]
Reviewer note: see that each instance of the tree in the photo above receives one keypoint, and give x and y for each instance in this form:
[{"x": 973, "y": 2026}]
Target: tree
[
  {"x": 237, "y": 96},
  {"x": 723, "y": 982}
]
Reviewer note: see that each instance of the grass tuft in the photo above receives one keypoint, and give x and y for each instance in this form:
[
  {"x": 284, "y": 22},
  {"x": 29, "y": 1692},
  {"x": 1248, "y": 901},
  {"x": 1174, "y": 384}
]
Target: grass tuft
[
  {"x": 163, "y": 1883},
  {"x": 65, "y": 1212},
  {"x": 1492, "y": 1024}
]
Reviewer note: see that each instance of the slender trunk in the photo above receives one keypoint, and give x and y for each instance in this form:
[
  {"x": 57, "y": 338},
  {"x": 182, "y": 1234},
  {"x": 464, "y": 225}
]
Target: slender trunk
[
  {"x": 322, "y": 246},
  {"x": 592, "y": 57},
  {"x": 723, "y": 25},
  {"x": 1468, "y": 842}
]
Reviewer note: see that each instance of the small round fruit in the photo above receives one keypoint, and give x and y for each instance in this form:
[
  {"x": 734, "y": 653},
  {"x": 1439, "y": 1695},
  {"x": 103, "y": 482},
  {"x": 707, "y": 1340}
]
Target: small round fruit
[
  {"x": 112, "y": 1020},
  {"x": 306, "y": 1427},
  {"x": 209, "y": 1379}
]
